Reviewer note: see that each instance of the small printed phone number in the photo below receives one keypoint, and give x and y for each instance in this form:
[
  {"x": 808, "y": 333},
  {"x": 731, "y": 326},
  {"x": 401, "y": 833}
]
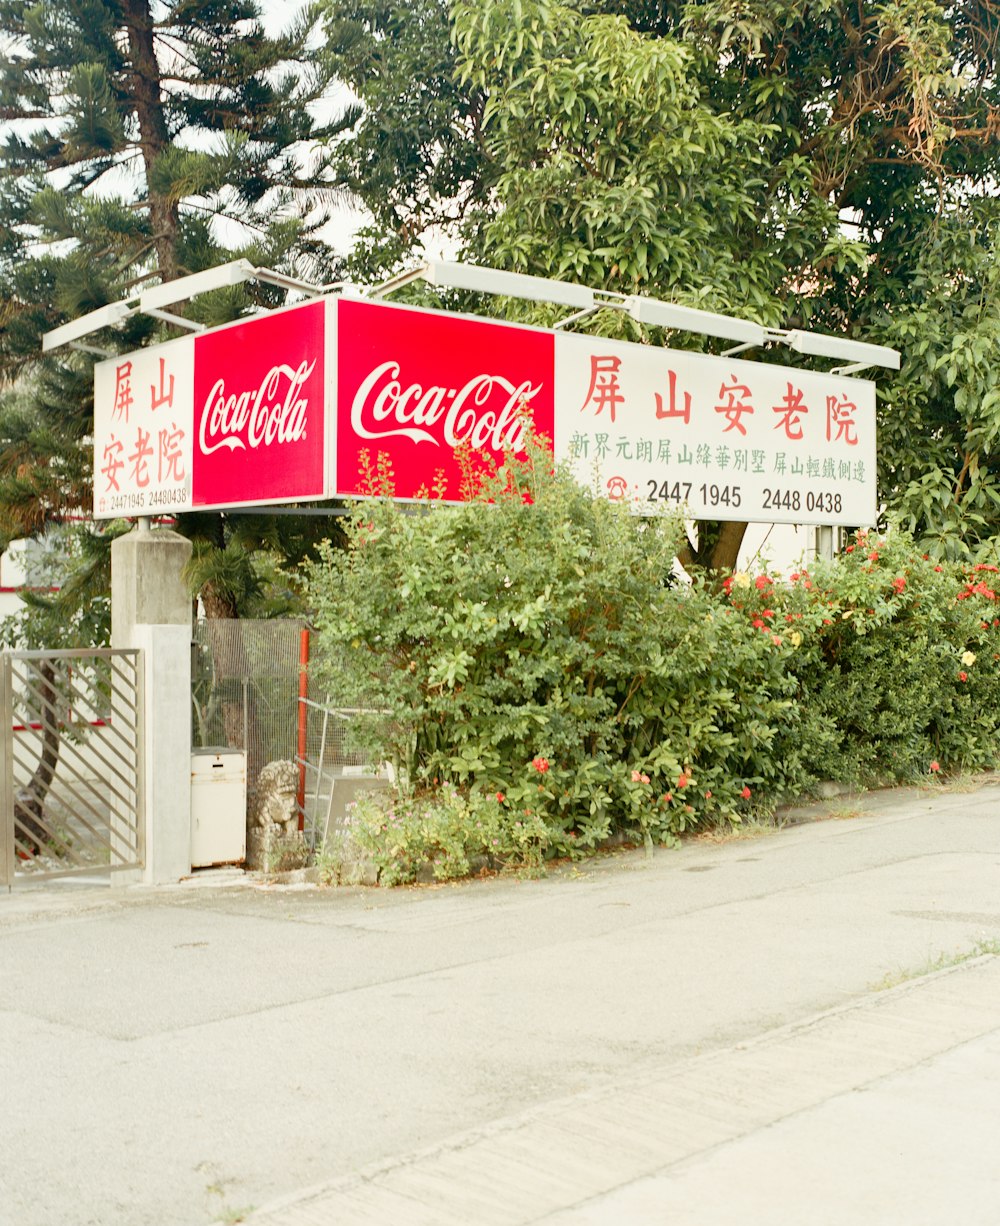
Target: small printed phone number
[
  {"x": 713, "y": 495},
  {"x": 148, "y": 500}
]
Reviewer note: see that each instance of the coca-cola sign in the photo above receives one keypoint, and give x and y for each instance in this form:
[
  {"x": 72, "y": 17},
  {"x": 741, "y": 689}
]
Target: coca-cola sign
[
  {"x": 311, "y": 401},
  {"x": 259, "y": 405},
  {"x": 415, "y": 385}
]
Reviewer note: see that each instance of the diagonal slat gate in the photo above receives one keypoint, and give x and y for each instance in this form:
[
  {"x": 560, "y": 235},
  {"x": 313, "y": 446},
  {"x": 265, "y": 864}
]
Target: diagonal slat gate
[{"x": 70, "y": 784}]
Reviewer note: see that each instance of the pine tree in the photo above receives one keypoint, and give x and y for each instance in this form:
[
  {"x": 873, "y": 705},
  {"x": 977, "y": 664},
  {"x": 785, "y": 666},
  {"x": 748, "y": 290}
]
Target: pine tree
[{"x": 144, "y": 140}]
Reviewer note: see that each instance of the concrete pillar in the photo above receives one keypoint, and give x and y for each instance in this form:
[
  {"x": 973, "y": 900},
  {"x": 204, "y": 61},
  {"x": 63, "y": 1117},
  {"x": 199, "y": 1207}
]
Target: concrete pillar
[{"x": 151, "y": 610}]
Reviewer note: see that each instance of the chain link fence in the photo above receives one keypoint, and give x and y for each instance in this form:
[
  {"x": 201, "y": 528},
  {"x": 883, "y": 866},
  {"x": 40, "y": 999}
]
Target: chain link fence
[{"x": 246, "y": 695}]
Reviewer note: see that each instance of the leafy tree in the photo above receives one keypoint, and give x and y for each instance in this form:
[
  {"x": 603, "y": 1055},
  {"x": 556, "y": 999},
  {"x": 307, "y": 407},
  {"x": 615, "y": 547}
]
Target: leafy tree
[
  {"x": 818, "y": 164},
  {"x": 144, "y": 140},
  {"x": 411, "y": 152}
]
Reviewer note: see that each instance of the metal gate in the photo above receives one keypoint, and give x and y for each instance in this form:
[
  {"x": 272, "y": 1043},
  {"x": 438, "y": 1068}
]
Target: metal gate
[{"x": 70, "y": 794}]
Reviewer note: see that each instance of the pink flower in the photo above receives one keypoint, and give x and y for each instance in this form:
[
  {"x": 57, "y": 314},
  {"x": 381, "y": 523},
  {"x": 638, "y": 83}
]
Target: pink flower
[
  {"x": 746, "y": 793},
  {"x": 636, "y": 776},
  {"x": 708, "y": 795},
  {"x": 668, "y": 796},
  {"x": 540, "y": 764}
]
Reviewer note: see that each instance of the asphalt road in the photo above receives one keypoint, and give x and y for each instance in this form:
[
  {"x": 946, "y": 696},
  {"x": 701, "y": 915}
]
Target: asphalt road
[{"x": 717, "y": 1030}]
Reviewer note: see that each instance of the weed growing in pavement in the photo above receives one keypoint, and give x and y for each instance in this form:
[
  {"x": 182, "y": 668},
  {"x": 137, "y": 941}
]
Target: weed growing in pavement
[{"x": 943, "y": 962}]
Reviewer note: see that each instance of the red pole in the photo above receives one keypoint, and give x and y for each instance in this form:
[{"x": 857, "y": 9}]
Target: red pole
[{"x": 303, "y": 722}]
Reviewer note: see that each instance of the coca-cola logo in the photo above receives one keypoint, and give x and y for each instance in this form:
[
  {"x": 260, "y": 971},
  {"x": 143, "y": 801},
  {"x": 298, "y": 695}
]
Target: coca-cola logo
[
  {"x": 273, "y": 413},
  {"x": 486, "y": 411}
]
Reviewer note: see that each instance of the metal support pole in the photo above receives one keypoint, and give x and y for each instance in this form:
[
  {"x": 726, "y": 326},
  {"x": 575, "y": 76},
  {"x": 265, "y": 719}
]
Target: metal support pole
[
  {"x": 7, "y": 852},
  {"x": 300, "y": 798}
]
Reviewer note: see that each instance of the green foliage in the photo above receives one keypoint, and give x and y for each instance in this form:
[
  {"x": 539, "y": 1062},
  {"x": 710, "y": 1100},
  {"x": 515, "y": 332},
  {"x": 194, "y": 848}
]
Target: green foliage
[
  {"x": 615, "y": 168},
  {"x": 66, "y": 602},
  {"x": 139, "y": 143},
  {"x": 531, "y": 644},
  {"x": 496, "y": 638},
  {"x": 410, "y": 151},
  {"x": 895, "y": 656},
  {"x": 447, "y": 833},
  {"x": 818, "y": 163}
]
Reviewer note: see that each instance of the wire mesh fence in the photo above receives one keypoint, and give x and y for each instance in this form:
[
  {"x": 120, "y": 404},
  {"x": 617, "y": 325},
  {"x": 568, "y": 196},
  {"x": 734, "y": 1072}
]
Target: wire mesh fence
[
  {"x": 245, "y": 688},
  {"x": 246, "y": 678}
]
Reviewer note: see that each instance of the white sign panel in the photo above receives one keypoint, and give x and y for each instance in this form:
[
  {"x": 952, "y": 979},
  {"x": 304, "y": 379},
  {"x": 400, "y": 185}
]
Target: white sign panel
[
  {"x": 729, "y": 439},
  {"x": 287, "y": 406},
  {"x": 144, "y": 431}
]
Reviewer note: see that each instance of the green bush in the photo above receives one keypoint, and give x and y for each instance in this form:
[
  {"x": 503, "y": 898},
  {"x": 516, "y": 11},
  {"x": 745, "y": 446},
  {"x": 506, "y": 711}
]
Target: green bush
[
  {"x": 446, "y": 832},
  {"x": 503, "y": 633},
  {"x": 895, "y": 658},
  {"x": 534, "y": 643}
]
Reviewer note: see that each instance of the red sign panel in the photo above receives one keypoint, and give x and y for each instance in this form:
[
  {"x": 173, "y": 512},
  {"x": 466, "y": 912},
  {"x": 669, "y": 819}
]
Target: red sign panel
[
  {"x": 259, "y": 408},
  {"x": 415, "y": 385}
]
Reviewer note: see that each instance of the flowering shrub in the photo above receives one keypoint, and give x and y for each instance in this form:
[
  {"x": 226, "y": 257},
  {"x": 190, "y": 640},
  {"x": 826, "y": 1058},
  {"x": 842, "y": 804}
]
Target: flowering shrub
[
  {"x": 503, "y": 638},
  {"x": 542, "y": 677},
  {"x": 895, "y": 658},
  {"x": 446, "y": 831}
]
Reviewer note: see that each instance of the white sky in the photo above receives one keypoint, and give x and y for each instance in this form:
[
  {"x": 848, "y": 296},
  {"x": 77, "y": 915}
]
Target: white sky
[{"x": 346, "y": 221}]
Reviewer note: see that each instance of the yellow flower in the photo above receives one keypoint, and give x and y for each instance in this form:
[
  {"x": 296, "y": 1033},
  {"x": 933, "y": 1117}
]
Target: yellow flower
[
  {"x": 741, "y": 579},
  {"x": 969, "y": 658},
  {"x": 795, "y": 639}
]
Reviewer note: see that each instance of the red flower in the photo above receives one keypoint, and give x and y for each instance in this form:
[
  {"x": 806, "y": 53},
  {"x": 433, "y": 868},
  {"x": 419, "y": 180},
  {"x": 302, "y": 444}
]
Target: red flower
[
  {"x": 899, "y": 583},
  {"x": 668, "y": 796},
  {"x": 762, "y": 582},
  {"x": 708, "y": 795},
  {"x": 746, "y": 793},
  {"x": 683, "y": 780},
  {"x": 540, "y": 764},
  {"x": 963, "y": 676},
  {"x": 500, "y": 797},
  {"x": 849, "y": 549},
  {"x": 934, "y": 767}
]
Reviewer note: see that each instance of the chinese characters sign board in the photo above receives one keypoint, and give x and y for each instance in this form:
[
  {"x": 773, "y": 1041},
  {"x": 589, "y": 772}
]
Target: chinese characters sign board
[
  {"x": 230, "y": 417},
  {"x": 732, "y": 439},
  {"x": 285, "y": 407}
]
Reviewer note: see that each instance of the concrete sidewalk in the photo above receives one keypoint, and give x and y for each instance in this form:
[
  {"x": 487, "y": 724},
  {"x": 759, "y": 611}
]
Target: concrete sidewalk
[{"x": 800, "y": 1026}]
